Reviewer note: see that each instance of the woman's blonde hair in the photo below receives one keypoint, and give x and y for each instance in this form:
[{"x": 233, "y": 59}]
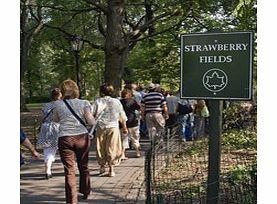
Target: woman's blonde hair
[{"x": 69, "y": 89}]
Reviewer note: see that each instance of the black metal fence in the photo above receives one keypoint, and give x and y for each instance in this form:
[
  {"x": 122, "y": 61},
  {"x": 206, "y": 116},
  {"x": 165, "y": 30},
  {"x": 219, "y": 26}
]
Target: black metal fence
[{"x": 176, "y": 172}]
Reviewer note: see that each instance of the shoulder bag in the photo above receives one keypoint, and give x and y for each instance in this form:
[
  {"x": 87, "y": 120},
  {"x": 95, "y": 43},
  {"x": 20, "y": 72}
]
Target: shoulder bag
[
  {"x": 91, "y": 131},
  {"x": 44, "y": 118}
]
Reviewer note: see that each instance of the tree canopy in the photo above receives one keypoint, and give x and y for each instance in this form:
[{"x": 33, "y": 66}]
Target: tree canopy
[{"x": 124, "y": 41}]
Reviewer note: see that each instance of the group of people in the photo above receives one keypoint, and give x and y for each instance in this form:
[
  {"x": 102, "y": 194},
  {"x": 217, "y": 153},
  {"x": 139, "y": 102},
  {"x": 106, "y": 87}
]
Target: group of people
[{"x": 117, "y": 120}]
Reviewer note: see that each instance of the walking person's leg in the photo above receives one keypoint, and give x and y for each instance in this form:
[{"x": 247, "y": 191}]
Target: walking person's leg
[
  {"x": 113, "y": 149},
  {"x": 125, "y": 144},
  {"x": 159, "y": 123},
  {"x": 49, "y": 157},
  {"x": 101, "y": 154},
  {"x": 82, "y": 154},
  {"x": 67, "y": 154},
  {"x": 150, "y": 126},
  {"x": 135, "y": 136}
]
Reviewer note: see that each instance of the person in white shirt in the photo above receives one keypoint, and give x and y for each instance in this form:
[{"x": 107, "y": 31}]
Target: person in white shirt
[
  {"x": 108, "y": 140},
  {"x": 172, "y": 104}
]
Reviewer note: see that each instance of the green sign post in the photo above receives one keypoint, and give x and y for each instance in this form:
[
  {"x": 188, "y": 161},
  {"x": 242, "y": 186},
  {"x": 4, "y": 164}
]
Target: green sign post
[{"x": 216, "y": 66}]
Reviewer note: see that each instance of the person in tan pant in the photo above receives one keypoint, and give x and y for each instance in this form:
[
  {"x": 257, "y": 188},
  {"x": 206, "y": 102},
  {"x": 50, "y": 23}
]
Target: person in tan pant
[{"x": 108, "y": 141}]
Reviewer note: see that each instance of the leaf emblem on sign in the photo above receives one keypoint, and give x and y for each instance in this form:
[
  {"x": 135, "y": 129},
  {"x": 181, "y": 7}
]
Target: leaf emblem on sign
[{"x": 215, "y": 81}]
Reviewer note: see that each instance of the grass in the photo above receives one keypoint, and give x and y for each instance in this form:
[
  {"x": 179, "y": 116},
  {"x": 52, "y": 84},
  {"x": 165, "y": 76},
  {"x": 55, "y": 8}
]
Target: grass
[{"x": 32, "y": 106}]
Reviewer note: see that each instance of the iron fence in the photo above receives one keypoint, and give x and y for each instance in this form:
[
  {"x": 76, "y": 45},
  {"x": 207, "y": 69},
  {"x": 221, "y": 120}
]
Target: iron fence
[{"x": 176, "y": 172}]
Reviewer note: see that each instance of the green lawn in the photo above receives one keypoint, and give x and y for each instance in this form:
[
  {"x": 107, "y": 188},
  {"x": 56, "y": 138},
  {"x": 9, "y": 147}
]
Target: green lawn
[{"x": 32, "y": 106}]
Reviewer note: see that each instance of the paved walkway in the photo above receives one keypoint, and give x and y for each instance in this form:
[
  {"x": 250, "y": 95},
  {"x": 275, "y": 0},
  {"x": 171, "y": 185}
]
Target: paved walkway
[{"x": 126, "y": 187}]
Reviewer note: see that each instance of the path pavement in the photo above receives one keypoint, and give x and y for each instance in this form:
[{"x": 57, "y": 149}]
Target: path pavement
[{"x": 127, "y": 187}]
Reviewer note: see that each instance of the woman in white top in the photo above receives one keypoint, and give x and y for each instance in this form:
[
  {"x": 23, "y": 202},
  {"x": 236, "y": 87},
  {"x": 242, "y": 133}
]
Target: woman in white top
[
  {"x": 73, "y": 140},
  {"x": 108, "y": 140},
  {"x": 48, "y": 135}
]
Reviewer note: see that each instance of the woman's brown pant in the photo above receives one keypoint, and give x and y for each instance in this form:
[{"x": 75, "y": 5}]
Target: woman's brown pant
[{"x": 71, "y": 147}]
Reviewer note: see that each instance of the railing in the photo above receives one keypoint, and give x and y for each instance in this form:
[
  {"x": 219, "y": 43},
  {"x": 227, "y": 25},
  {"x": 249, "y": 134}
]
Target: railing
[{"x": 176, "y": 172}]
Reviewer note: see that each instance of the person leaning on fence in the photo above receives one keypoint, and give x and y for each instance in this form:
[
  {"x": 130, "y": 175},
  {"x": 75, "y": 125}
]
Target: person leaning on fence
[
  {"x": 108, "y": 140},
  {"x": 154, "y": 111},
  {"x": 48, "y": 134},
  {"x": 73, "y": 141}
]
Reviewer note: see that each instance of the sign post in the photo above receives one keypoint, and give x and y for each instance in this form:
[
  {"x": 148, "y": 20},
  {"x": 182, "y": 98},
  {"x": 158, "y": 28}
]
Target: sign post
[
  {"x": 214, "y": 151},
  {"x": 216, "y": 66}
]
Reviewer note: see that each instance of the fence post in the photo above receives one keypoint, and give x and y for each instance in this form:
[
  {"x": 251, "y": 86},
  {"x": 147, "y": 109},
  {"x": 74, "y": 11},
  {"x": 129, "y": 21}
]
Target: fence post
[
  {"x": 167, "y": 146},
  {"x": 148, "y": 160},
  {"x": 214, "y": 151}
]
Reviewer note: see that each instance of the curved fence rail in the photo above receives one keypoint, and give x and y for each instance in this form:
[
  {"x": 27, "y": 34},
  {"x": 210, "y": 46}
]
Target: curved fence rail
[{"x": 176, "y": 172}]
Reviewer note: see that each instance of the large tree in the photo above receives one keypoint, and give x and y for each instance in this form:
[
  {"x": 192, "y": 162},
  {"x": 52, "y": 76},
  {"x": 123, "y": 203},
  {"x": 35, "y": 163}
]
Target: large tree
[
  {"x": 138, "y": 38},
  {"x": 29, "y": 28}
]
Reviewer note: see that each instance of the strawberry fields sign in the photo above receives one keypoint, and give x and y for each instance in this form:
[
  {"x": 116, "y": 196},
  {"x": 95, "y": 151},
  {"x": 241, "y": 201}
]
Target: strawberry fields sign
[{"x": 217, "y": 65}]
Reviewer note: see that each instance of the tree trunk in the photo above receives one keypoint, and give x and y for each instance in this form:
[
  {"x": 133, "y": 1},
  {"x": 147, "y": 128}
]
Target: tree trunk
[
  {"x": 23, "y": 65},
  {"x": 116, "y": 47},
  {"x": 155, "y": 75},
  {"x": 26, "y": 38}
]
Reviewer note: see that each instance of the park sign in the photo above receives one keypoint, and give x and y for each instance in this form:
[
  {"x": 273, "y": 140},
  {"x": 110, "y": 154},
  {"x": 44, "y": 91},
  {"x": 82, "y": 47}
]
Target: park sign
[{"x": 217, "y": 65}]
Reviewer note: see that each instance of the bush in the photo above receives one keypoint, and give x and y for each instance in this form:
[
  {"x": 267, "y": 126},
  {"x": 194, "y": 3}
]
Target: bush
[
  {"x": 37, "y": 99},
  {"x": 240, "y": 115},
  {"x": 240, "y": 139}
]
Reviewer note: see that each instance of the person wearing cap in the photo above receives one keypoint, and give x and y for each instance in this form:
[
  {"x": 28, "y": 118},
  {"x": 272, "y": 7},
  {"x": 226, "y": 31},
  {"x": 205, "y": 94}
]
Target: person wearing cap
[{"x": 154, "y": 111}]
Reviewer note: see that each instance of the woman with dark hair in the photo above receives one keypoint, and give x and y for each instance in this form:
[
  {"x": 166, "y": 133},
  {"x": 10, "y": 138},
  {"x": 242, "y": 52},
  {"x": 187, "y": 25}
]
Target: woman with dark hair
[
  {"x": 48, "y": 135},
  {"x": 108, "y": 141},
  {"x": 73, "y": 139},
  {"x": 130, "y": 107}
]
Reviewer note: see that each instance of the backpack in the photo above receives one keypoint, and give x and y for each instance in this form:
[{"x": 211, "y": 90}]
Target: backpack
[{"x": 183, "y": 109}]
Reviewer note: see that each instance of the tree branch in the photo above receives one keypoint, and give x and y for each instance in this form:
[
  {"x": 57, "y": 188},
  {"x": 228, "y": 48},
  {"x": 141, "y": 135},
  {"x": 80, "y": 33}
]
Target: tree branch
[
  {"x": 160, "y": 32},
  {"x": 98, "y": 5},
  {"x": 138, "y": 32},
  {"x": 69, "y": 35},
  {"x": 100, "y": 26}
]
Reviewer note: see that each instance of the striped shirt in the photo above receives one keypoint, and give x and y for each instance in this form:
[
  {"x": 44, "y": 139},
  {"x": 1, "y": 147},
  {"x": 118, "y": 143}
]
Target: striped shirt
[{"x": 153, "y": 102}]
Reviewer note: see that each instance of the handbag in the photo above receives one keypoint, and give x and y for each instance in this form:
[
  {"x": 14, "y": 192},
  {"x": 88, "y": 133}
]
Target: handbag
[
  {"x": 92, "y": 130},
  {"x": 77, "y": 117}
]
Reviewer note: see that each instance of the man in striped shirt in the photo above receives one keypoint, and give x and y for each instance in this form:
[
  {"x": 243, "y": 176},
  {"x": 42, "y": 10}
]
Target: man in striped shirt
[{"x": 154, "y": 111}]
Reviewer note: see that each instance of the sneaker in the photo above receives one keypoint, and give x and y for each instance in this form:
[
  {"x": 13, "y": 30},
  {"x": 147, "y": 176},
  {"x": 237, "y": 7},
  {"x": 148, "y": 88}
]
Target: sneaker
[
  {"x": 102, "y": 170},
  {"x": 111, "y": 174},
  {"x": 138, "y": 155},
  {"x": 48, "y": 176}
]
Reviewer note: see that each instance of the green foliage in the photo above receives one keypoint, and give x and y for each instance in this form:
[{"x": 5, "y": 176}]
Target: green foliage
[
  {"x": 240, "y": 174},
  {"x": 240, "y": 115},
  {"x": 240, "y": 139},
  {"x": 242, "y": 179},
  {"x": 50, "y": 59}
]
